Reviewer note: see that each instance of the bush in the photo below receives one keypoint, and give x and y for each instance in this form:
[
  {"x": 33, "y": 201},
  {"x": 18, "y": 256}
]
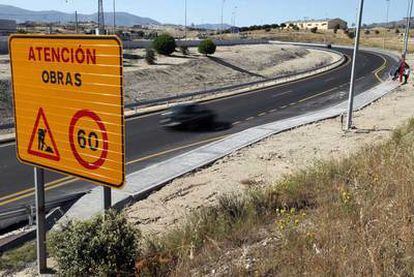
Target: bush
[
  {"x": 377, "y": 32},
  {"x": 314, "y": 30},
  {"x": 367, "y": 32},
  {"x": 397, "y": 31},
  {"x": 164, "y": 44},
  {"x": 351, "y": 35},
  {"x": 105, "y": 245},
  {"x": 207, "y": 47},
  {"x": 150, "y": 56},
  {"x": 184, "y": 50}
]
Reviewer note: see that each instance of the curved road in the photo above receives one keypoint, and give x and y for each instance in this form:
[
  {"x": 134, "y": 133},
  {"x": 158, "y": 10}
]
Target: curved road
[{"x": 147, "y": 143}]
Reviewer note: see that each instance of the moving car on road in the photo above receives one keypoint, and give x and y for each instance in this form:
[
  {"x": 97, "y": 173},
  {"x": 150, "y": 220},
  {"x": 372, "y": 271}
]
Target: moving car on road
[{"x": 188, "y": 116}]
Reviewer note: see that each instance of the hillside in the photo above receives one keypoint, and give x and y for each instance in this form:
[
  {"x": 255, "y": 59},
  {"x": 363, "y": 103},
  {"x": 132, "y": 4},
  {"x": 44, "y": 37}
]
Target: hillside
[{"x": 22, "y": 15}]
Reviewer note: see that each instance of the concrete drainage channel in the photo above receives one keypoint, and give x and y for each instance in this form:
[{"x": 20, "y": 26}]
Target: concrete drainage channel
[{"x": 141, "y": 183}]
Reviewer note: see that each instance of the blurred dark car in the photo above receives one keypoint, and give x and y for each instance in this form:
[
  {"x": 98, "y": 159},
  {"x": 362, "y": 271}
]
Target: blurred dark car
[{"x": 188, "y": 116}]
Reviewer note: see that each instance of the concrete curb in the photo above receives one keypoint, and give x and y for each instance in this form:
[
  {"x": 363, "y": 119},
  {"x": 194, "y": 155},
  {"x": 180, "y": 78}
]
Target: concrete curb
[{"x": 141, "y": 183}]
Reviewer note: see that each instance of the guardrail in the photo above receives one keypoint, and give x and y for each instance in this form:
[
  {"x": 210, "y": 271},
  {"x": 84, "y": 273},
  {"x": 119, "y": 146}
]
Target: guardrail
[{"x": 28, "y": 212}]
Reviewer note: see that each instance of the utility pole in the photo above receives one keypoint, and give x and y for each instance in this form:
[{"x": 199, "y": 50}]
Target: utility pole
[
  {"x": 386, "y": 26},
  {"x": 76, "y": 22},
  {"x": 354, "y": 60},
  {"x": 407, "y": 29},
  {"x": 222, "y": 17},
  {"x": 185, "y": 19},
  {"x": 101, "y": 20},
  {"x": 114, "y": 17}
]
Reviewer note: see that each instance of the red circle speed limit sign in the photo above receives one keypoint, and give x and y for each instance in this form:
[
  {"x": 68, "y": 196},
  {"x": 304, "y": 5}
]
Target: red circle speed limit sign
[{"x": 88, "y": 139}]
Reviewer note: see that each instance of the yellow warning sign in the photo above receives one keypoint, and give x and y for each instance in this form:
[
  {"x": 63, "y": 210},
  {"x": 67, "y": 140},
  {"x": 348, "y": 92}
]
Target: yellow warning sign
[{"x": 68, "y": 103}]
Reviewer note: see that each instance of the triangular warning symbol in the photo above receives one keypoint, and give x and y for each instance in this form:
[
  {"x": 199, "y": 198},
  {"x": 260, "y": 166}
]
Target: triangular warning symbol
[{"x": 45, "y": 146}]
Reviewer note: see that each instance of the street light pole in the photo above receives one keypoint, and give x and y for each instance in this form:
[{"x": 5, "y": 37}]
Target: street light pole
[
  {"x": 386, "y": 26},
  {"x": 407, "y": 29},
  {"x": 114, "y": 17},
  {"x": 222, "y": 17},
  {"x": 185, "y": 19},
  {"x": 354, "y": 60}
]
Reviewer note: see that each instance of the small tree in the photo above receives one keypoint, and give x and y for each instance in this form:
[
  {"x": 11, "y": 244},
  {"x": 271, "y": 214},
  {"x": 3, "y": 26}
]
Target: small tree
[
  {"x": 184, "y": 50},
  {"x": 314, "y": 30},
  {"x": 164, "y": 44},
  {"x": 397, "y": 31},
  {"x": 207, "y": 47},
  {"x": 150, "y": 56},
  {"x": 377, "y": 32},
  {"x": 283, "y": 25},
  {"x": 351, "y": 34},
  {"x": 367, "y": 32}
]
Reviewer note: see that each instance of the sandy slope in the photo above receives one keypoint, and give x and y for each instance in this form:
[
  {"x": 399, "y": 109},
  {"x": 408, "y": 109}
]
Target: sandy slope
[
  {"x": 230, "y": 65},
  {"x": 265, "y": 162}
]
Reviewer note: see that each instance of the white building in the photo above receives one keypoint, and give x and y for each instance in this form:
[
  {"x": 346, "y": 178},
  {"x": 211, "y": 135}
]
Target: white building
[{"x": 322, "y": 24}]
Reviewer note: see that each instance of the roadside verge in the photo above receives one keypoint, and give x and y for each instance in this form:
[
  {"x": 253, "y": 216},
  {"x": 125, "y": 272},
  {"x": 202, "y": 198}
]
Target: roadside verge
[{"x": 143, "y": 182}]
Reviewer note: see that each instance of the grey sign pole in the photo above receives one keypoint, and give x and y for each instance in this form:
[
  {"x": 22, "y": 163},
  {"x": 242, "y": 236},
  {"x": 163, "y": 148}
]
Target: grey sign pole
[
  {"x": 407, "y": 29},
  {"x": 354, "y": 61},
  {"x": 107, "y": 198},
  {"x": 39, "y": 177}
]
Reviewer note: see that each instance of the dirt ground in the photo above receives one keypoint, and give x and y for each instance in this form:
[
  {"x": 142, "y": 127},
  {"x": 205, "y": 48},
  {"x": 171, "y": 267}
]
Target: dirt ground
[{"x": 270, "y": 160}]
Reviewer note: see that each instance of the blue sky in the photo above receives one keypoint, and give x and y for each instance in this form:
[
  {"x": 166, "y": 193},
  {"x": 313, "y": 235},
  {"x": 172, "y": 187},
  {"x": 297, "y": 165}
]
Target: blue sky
[{"x": 249, "y": 12}]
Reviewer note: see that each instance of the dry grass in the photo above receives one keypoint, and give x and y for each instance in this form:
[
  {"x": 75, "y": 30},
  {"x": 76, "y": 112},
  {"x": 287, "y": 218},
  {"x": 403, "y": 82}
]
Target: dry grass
[
  {"x": 393, "y": 41},
  {"x": 348, "y": 217}
]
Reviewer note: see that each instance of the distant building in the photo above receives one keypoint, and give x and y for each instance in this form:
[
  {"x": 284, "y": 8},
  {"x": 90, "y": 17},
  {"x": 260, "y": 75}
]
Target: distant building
[
  {"x": 322, "y": 24},
  {"x": 7, "y": 27}
]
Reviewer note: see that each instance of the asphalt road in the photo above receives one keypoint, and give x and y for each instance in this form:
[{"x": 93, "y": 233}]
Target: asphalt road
[{"x": 147, "y": 143}]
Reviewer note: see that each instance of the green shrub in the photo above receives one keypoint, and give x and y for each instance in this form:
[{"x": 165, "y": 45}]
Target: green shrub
[
  {"x": 164, "y": 44},
  {"x": 207, "y": 47},
  {"x": 351, "y": 35},
  {"x": 184, "y": 50},
  {"x": 105, "y": 245},
  {"x": 150, "y": 56}
]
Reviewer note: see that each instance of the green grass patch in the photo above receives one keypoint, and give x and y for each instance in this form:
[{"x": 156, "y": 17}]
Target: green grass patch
[{"x": 17, "y": 259}]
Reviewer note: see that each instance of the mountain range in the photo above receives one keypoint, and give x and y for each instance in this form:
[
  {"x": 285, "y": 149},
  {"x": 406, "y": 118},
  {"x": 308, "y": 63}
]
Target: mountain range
[
  {"x": 22, "y": 15},
  {"x": 122, "y": 18}
]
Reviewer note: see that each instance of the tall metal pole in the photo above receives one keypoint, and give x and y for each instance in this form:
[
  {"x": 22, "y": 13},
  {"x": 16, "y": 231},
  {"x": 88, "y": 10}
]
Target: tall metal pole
[
  {"x": 185, "y": 19},
  {"x": 222, "y": 17},
  {"x": 407, "y": 29},
  {"x": 354, "y": 61},
  {"x": 387, "y": 20},
  {"x": 39, "y": 178},
  {"x": 76, "y": 22},
  {"x": 101, "y": 20},
  {"x": 114, "y": 17}
]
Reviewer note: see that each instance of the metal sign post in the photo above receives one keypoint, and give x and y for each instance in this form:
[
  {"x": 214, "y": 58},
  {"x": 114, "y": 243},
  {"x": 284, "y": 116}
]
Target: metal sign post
[
  {"x": 107, "y": 198},
  {"x": 39, "y": 178},
  {"x": 354, "y": 60}
]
